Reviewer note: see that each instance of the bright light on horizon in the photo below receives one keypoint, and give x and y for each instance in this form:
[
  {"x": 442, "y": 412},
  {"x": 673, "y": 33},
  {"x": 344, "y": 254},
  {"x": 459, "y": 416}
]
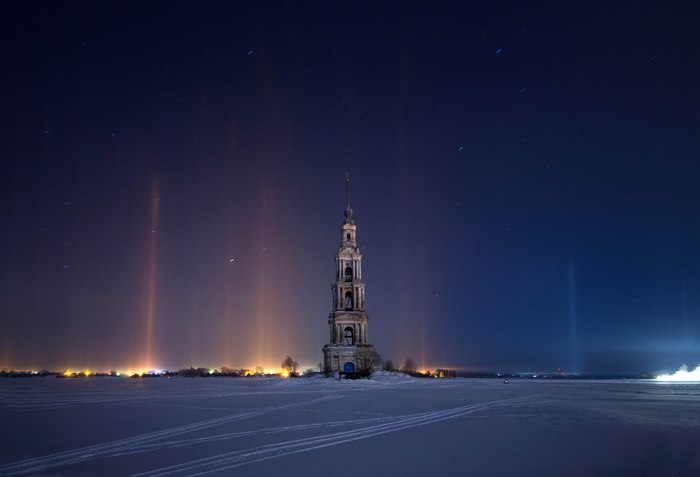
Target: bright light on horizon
[{"x": 681, "y": 375}]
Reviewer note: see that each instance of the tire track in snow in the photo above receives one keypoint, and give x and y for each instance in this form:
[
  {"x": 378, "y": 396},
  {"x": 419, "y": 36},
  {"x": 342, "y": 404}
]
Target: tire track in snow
[
  {"x": 236, "y": 435},
  {"x": 104, "y": 450},
  {"x": 233, "y": 459}
]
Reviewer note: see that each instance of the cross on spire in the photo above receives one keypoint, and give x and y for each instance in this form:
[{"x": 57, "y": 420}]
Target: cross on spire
[
  {"x": 347, "y": 190},
  {"x": 348, "y": 210}
]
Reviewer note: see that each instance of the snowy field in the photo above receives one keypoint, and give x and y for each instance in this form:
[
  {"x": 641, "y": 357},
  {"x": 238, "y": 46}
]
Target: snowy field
[{"x": 391, "y": 425}]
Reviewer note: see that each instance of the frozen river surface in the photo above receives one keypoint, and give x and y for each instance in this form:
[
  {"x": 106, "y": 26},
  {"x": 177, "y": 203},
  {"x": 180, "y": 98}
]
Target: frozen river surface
[{"x": 391, "y": 425}]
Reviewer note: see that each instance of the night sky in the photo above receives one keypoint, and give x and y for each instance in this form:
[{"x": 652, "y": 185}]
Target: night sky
[{"x": 524, "y": 178}]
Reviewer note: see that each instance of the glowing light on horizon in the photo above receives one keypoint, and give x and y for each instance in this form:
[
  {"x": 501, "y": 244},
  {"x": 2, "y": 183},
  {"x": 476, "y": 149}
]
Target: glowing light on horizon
[
  {"x": 681, "y": 375},
  {"x": 258, "y": 371}
]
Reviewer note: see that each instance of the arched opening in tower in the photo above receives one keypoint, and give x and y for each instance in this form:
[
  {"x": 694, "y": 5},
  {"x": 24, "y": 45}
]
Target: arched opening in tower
[
  {"x": 349, "y": 336},
  {"x": 348, "y": 300},
  {"x": 348, "y": 274}
]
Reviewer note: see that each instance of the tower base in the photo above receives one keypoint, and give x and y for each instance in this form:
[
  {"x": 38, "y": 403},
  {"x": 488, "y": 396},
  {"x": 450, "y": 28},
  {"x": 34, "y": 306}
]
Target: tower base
[{"x": 337, "y": 358}]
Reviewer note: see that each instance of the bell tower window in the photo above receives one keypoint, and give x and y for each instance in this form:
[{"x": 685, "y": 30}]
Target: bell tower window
[
  {"x": 348, "y": 300},
  {"x": 347, "y": 237},
  {"x": 348, "y": 274},
  {"x": 349, "y": 336}
]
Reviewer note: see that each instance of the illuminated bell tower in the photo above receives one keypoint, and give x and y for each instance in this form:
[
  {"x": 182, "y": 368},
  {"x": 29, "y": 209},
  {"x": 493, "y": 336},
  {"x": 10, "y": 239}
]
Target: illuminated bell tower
[{"x": 348, "y": 319}]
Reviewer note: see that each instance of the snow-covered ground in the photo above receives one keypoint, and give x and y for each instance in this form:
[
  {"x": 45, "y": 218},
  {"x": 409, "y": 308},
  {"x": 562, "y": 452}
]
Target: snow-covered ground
[{"x": 391, "y": 425}]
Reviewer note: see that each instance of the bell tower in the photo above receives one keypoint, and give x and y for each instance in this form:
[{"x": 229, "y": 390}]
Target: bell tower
[{"x": 348, "y": 319}]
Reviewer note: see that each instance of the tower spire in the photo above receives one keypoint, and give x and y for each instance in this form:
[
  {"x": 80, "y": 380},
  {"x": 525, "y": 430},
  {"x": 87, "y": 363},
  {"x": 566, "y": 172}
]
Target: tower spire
[
  {"x": 347, "y": 190},
  {"x": 348, "y": 210}
]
